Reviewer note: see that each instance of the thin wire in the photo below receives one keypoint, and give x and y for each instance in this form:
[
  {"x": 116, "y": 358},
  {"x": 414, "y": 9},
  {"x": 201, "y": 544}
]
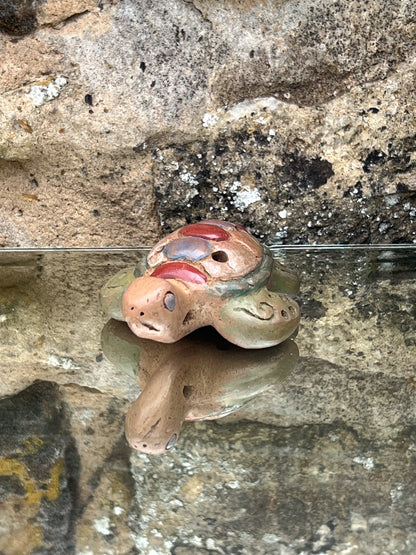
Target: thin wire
[{"x": 111, "y": 250}]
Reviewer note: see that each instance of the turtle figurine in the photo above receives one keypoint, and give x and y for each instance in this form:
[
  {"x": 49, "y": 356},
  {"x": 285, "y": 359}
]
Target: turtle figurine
[{"x": 212, "y": 273}]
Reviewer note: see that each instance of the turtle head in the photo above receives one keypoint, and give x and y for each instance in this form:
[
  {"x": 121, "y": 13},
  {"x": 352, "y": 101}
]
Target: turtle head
[
  {"x": 156, "y": 308},
  {"x": 154, "y": 420}
]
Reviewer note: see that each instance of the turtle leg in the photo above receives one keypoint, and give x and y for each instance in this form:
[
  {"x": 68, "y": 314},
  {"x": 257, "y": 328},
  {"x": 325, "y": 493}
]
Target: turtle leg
[
  {"x": 121, "y": 347},
  {"x": 260, "y": 319},
  {"x": 283, "y": 280},
  {"x": 112, "y": 292}
]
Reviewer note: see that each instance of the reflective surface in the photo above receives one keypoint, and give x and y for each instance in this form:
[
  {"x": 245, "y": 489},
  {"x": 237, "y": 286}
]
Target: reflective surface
[
  {"x": 321, "y": 462},
  {"x": 200, "y": 377}
]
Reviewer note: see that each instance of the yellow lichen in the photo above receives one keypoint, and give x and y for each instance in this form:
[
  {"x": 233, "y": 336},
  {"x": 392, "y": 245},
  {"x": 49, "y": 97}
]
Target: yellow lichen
[
  {"x": 27, "y": 538},
  {"x": 53, "y": 485},
  {"x": 12, "y": 467},
  {"x": 32, "y": 444}
]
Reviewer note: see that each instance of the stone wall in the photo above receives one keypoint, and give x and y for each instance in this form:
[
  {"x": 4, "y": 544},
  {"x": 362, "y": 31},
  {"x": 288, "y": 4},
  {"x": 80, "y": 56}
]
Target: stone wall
[{"x": 120, "y": 120}]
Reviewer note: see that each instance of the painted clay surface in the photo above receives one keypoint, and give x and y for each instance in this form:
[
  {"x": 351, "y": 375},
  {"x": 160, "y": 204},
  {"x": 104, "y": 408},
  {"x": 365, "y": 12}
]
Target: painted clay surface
[
  {"x": 211, "y": 273},
  {"x": 201, "y": 377}
]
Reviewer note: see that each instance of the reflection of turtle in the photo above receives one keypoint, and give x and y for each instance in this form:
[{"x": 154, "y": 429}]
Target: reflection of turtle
[
  {"x": 201, "y": 377},
  {"x": 210, "y": 273}
]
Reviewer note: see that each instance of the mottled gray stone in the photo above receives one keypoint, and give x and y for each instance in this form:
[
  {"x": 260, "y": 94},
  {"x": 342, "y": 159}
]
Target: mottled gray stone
[
  {"x": 251, "y": 488},
  {"x": 283, "y": 172}
]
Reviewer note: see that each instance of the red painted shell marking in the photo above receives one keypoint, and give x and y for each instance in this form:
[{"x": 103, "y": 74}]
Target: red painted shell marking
[
  {"x": 205, "y": 231},
  {"x": 179, "y": 270}
]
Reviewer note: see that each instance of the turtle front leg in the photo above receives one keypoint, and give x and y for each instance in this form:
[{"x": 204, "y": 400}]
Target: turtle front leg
[
  {"x": 111, "y": 293},
  {"x": 260, "y": 319}
]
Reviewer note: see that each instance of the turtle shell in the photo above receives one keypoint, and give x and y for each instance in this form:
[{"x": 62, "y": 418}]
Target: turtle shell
[{"x": 219, "y": 256}]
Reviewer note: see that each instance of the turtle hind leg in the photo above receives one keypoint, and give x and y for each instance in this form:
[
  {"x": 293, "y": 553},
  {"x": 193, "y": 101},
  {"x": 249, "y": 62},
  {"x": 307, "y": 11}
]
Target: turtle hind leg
[
  {"x": 260, "y": 319},
  {"x": 283, "y": 280}
]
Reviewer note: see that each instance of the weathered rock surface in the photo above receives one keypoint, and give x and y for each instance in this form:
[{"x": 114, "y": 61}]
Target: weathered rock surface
[
  {"x": 324, "y": 462},
  {"x": 39, "y": 473},
  {"x": 285, "y": 491},
  {"x": 121, "y": 120}
]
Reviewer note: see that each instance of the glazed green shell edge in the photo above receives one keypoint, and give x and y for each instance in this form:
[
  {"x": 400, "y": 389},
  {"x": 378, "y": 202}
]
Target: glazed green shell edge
[{"x": 270, "y": 273}]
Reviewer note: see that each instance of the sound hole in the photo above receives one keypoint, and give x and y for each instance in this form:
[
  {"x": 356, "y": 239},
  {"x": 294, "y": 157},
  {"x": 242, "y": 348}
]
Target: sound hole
[{"x": 219, "y": 256}]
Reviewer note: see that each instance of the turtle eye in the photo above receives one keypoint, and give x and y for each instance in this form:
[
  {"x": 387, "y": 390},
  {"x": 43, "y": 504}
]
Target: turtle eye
[
  {"x": 171, "y": 442},
  {"x": 169, "y": 301}
]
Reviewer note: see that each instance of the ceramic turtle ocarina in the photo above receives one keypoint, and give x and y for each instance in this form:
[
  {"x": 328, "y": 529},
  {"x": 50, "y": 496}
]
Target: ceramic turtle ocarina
[{"x": 211, "y": 273}]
